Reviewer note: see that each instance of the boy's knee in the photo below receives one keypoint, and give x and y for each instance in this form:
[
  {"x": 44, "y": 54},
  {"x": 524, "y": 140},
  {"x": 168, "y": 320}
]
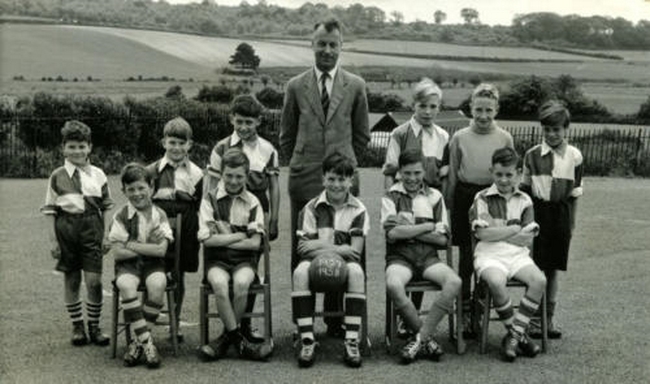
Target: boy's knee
[
  {"x": 394, "y": 286},
  {"x": 240, "y": 286},
  {"x": 539, "y": 281},
  {"x": 355, "y": 272},
  {"x": 453, "y": 284},
  {"x": 156, "y": 283},
  {"x": 301, "y": 275}
]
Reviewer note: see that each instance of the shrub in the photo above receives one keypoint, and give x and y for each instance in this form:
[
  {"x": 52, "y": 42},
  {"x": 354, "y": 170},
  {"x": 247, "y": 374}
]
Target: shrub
[{"x": 270, "y": 98}]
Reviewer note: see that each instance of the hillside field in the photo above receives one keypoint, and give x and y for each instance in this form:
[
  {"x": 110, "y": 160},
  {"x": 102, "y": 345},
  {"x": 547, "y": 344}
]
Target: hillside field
[{"x": 114, "y": 54}]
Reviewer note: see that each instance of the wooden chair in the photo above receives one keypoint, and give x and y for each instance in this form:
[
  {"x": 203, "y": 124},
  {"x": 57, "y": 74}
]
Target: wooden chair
[
  {"x": 483, "y": 305},
  {"x": 259, "y": 286},
  {"x": 365, "y": 344},
  {"x": 170, "y": 292},
  {"x": 454, "y": 319}
]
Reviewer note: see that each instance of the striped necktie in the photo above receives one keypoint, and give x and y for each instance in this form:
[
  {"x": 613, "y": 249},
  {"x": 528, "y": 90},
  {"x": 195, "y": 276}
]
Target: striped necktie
[{"x": 324, "y": 96}]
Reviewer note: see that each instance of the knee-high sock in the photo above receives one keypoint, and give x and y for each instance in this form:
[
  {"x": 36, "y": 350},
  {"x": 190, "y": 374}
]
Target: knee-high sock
[
  {"x": 410, "y": 316},
  {"x": 134, "y": 316},
  {"x": 303, "y": 311},
  {"x": 75, "y": 312},
  {"x": 439, "y": 309},
  {"x": 527, "y": 308},
  {"x": 354, "y": 307}
]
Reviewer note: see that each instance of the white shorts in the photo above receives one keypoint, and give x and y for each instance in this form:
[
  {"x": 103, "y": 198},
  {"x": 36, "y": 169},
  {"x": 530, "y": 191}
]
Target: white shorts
[{"x": 509, "y": 264}]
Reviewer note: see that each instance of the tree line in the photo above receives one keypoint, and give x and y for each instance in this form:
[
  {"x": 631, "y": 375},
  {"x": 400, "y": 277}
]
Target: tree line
[{"x": 265, "y": 19}]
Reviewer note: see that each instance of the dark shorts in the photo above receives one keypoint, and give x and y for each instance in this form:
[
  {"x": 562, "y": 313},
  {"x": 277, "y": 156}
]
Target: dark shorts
[
  {"x": 416, "y": 265},
  {"x": 141, "y": 267},
  {"x": 551, "y": 246},
  {"x": 189, "y": 259},
  {"x": 464, "y": 194},
  {"x": 80, "y": 240},
  {"x": 230, "y": 260}
]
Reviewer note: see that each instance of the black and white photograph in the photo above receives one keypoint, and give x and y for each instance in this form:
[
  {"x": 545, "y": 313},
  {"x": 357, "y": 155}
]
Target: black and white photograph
[{"x": 345, "y": 191}]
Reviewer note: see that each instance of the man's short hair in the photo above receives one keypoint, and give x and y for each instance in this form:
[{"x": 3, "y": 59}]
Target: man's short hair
[
  {"x": 246, "y": 105},
  {"x": 133, "y": 172},
  {"x": 486, "y": 90},
  {"x": 329, "y": 25},
  {"x": 178, "y": 128},
  {"x": 339, "y": 164},
  {"x": 505, "y": 156},
  {"x": 426, "y": 88},
  {"x": 75, "y": 130},
  {"x": 553, "y": 113},
  {"x": 234, "y": 158},
  {"x": 410, "y": 156}
]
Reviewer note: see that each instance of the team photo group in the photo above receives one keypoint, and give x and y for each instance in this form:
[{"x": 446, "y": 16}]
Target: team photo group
[{"x": 511, "y": 216}]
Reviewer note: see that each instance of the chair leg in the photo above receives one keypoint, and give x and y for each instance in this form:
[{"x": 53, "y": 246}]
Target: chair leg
[
  {"x": 365, "y": 340},
  {"x": 268, "y": 325},
  {"x": 544, "y": 321},
  {"x": 114, "y": 320},
  {"x": 173, "y": 321},
  {"x": 461, "y": 347},
  {"x": 203, "y": 315},
  {"x": 487, "y": 303}
]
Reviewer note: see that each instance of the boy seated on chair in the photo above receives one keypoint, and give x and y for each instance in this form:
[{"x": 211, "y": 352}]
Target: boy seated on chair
[
  {"x": 333, "y": 224},
  {"x": 139, "y": 236},
  {"x": 231, "y": 225},
  {"x": 503, "y": 223},
  {"x": 415, "y": 220}
]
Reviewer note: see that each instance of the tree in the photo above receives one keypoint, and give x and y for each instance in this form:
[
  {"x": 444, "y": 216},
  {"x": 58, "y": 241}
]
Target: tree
[
  {"x": 398, "y": 17},
  {"x": 470, "y": 15},
  {"x": 643, "y": 116},
  {"x": 439, "y": 16},
  {"x": 245, "y": 57},
  {"x": 175, "y": 92}
]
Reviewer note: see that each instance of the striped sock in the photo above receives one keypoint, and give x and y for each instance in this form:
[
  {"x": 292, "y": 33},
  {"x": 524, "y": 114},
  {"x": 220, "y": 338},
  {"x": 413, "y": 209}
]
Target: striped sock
[
  {"x": 355, "y": 304},
  {"x": 75, "y": 312},
  {"x": 527, "y": 309},
  {"x": 93, "y": 311},
  {"x": 134, "y": 316},
  {"x": 505, "y": 312},
  {"x": 151, "y": 311},
  {"x": 303, "y": 311}
]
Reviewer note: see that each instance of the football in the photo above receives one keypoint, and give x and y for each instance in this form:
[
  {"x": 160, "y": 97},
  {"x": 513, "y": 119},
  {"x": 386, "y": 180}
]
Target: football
[{"x": 328, "y": 273}]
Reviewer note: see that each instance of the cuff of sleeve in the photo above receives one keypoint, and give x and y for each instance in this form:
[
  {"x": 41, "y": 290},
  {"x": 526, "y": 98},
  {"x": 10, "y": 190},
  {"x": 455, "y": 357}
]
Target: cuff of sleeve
[
  {"x": 441, "y": 228},
  {"x": 479, "y": 224},
  {"x": 203, "y": 234},
  {"x": 49, "y": 210},
  {"x": 254, "y": 228},
  {"x": 444, "y": 171}
]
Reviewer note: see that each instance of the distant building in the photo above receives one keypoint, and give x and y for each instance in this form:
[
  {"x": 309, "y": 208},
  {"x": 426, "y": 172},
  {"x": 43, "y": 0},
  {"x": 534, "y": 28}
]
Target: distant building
[{"x": 382, "y": 124}]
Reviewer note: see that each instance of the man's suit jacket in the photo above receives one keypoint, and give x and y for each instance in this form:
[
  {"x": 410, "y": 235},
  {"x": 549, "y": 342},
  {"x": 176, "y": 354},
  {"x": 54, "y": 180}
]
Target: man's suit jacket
[{"x": 308, "y": 136}]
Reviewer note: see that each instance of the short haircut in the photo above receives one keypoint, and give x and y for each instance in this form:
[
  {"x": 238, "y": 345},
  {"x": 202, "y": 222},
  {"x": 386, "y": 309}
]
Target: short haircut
[
  {"x": 329, "y": 25},
  {"x": 178, "y": 128},
  {"x": 426, "y": 88},
  {"x": 553, "y": 113},
  {"x": 246, "y": 105},
  {"x": 133, "y": 172},
  {"x": 234, "y": 158},
  {"x": 505, "y": 156},
  {"x": 486, "y": 90},
  {"x": 74, "y": 130},
  {"x": 339, "y": 164},
  {"x": 410, "y": 156}
]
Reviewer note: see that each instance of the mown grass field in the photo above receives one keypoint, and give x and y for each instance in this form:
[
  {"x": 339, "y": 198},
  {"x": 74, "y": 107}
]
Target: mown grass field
[
  {"x": 426, "y": 47},
  {"x": 604, "y": 307},
  {"x": 114, "y": 54}
]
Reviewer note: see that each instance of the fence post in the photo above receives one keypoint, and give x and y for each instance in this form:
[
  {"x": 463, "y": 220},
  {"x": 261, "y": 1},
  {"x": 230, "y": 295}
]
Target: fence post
[{"x": 639, "y": 151}]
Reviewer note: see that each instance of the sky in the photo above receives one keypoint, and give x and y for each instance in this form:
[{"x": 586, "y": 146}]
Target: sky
[{"x": 491, "y": 12}]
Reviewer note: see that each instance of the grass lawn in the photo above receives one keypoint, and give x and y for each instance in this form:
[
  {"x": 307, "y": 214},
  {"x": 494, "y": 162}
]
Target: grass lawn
[{"x": 604, "y": 308}]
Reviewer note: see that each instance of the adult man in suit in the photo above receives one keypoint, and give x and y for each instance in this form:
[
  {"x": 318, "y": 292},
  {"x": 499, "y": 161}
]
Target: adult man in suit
[{"x": 325, "y": 110}]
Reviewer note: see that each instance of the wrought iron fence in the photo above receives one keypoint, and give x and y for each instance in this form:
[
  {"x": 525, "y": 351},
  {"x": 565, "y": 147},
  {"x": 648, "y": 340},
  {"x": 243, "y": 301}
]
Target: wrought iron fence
[{"x": 30, "y": 146}]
